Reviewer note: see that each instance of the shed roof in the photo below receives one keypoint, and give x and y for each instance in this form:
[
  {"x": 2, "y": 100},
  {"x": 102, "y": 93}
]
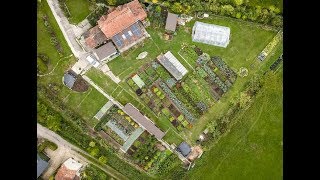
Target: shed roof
[
  {"x": 41, "y": 165},
  {"x": 105, "y": 51},
  {"x": 171, "y": 22},
  {"x": 69, "y": 79},
  {"x": 143, "y": 121},
  {"x": 210, "y": 34},
  {"x": 171, "y": 63},
  {"x": 184, "y": 148}
]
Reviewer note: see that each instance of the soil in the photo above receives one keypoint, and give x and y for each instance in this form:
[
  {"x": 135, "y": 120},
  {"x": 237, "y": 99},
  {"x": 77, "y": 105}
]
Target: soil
[
  {"x": 175, "y": 123},
  {"x": 174, "y": 110},
  {"x": 80, "y": 85},
  {"x": 198, "y": 51}
]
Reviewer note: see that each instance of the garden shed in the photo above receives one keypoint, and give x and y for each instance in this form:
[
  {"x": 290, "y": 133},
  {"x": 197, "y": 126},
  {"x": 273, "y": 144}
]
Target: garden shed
[
  {"x": 41, "y": 165},
  {"x": 184, "y": 149},
  {"x": 210, "y": 34},
  {"x": 69, "y": 79},
  {"x": 171, "y": 22},
  {"x": 171, "y": 63}
]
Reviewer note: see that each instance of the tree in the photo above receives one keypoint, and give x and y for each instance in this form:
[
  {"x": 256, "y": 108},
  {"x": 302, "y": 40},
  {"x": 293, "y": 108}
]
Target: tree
[
  {"x": 244, "y": 99},
  {"x": 94, "y": 151},
  {"x": 238, "y": 2},
  {"x": 228, "y": 9},
  {"x": 238, "y": 15},
  {"x": 103, "y": 159},
  {"x": 53, "y": 123},
  {"x": 111, "y": 2},
  {"x": 158, "y": 9},
  {"x": 177, "y": 7},
  {"x": 92, "y": 144},
  {"x": 277, "y": 21},
  {"x": 212, "y": 126}
]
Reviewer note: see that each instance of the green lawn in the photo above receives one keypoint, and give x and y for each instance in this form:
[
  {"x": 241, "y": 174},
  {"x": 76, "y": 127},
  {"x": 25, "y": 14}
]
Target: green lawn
[
  {"x": 86, "y": 104},
  {"x": 126, "y": 63},
  {"x": 79, "y": 10},
  {"x": 253, "y": 147},
  {"x": 223, "y": 105},
  {"x": 247, "y": 41}
]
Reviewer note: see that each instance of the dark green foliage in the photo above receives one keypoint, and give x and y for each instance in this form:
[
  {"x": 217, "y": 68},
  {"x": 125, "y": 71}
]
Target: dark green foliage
[
  {"x": 106, "y": 117},
  {"x": 74, "y": 130},
  {"x": 46, "y": 144},
  {"x": 53, "y": 40},
  {"x": 96, "y": 14},
  {"x": 41, "y": 66},
  {"x": 91, "y": 172},
  {"x": 265, "y": 12},
  {"x": 145, "y": 151}
]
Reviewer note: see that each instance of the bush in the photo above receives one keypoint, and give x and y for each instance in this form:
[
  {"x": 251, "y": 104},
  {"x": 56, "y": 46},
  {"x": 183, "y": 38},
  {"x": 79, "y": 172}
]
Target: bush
[
  {"x": 47, "y": 144},
  {"x": 41, "y": 66},
  {"x": 95, "y": 15}
]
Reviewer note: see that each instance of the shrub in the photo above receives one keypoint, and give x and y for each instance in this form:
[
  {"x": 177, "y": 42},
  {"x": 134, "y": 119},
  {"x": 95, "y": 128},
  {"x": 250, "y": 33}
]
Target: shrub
[{"x": 41, "y": 66}]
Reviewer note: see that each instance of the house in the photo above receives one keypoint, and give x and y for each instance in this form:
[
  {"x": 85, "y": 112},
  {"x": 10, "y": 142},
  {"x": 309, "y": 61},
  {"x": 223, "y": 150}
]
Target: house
[
  {"x": 94, "y": 37},
  {"x": 143, "y": 121},
  {"x": 184, "y": 149},
  {"x": 69, "y": 79},
  {"x": 211, "y": 34},
  {"x": 123, "y": 26},
  {"x": 106, "y": 52},
  {"x": 171, "y": 22},
  {"x": 171, "y": 63},
  {"x": 69, "y": 170},
  {"x": 41, "y": 165}
]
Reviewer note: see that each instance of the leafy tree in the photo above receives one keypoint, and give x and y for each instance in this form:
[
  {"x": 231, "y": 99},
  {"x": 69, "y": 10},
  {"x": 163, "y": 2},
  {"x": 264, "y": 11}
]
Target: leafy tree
[
  {"x": 158, "y": 9},
  {"x": 238, "y": 15},
  {"x": 92, "y": 144},
  {"x": 228, "y": 9},
  {"x": 177, "y": 7},
  {"x": 103, "y": 159},
  {"x": 238, "y": 2},
  {"x": 94, "y": 151},
  {"x": 277, "y": 21},
  {"x": 54, "y": 123}
]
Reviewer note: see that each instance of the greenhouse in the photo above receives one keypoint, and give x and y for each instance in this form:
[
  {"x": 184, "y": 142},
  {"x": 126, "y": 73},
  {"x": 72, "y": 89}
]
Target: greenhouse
[{"x": 210, "y": 34}]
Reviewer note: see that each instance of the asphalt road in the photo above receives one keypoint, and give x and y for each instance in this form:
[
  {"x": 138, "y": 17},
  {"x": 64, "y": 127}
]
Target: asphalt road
[{"x": 73, "y": 150}]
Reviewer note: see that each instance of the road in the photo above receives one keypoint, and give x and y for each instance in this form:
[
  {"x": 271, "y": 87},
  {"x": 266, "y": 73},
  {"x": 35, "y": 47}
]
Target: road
[
  {"x": 65, "y": 148},
  {"x": 71, "y": 32}
]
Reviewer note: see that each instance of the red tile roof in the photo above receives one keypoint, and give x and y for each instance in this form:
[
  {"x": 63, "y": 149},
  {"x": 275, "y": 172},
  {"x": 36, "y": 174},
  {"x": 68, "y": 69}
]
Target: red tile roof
[
  {"x": 65, "y": 174},
  {"x": 121, "y": 18},
  {"x": 94, "y": 37}
]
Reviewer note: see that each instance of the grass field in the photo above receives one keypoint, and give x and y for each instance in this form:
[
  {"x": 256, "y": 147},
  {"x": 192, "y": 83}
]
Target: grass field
[
  {"x": 247, "y": 41},
  {"x": 86, "y": 104},
  {"x": 253, "y": 147},
  {"x": 79, "y": 10}
]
